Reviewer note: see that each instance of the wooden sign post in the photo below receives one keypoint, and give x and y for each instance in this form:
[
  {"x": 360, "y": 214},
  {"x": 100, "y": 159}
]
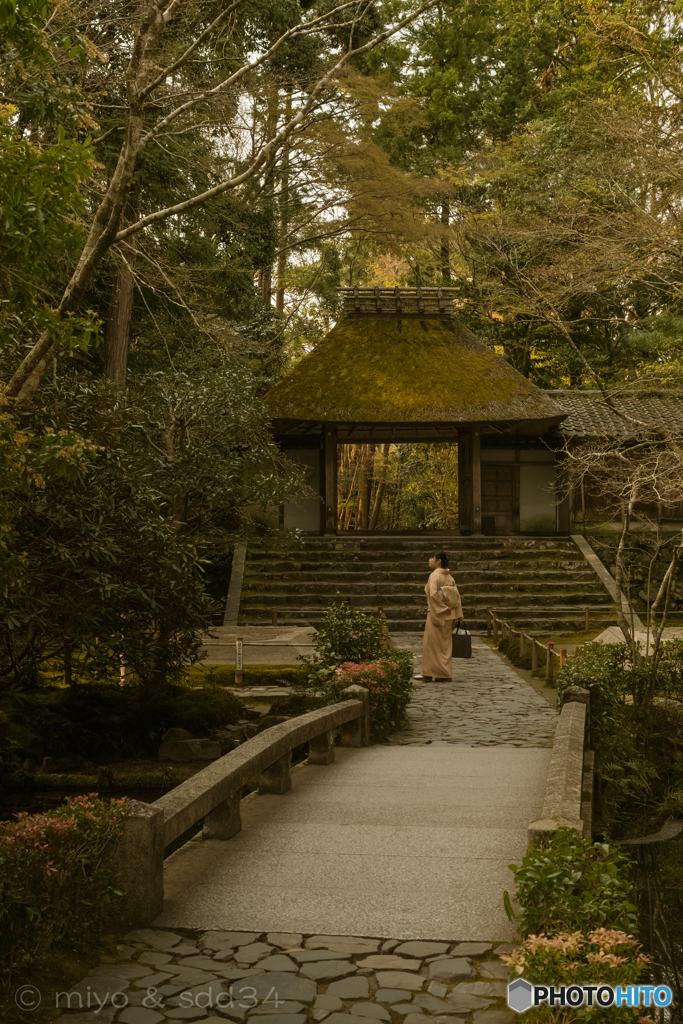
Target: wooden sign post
[{"x": 239, "y": 666}]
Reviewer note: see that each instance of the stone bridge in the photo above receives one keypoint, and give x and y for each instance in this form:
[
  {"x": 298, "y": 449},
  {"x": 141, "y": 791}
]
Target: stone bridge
[{"x": 366, "y": 882}]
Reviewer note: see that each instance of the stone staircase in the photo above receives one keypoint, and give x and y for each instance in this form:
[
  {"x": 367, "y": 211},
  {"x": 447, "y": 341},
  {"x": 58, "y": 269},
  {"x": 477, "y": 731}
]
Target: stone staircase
[{"x": 537, "y": 583}]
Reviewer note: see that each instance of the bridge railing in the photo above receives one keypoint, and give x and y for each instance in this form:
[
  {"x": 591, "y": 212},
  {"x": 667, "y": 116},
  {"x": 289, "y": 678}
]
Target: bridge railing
[
  {"x": 568, "y": 797},
  {"x": 214, "y": 795}
]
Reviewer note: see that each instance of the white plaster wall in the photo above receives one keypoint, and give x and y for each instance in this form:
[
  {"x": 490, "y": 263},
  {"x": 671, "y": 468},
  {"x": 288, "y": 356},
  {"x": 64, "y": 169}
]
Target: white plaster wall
[
  {"x": 537, "y": 510},
  {"x": 304, "y": 514}
]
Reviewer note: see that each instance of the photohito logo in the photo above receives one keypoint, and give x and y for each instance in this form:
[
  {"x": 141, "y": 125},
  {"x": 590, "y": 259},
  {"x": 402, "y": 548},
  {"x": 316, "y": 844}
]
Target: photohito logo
[{"x": 522, "y": 995}]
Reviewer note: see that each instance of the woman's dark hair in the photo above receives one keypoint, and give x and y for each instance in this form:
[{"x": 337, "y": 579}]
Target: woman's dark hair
[{"x": 442, "y": 557}]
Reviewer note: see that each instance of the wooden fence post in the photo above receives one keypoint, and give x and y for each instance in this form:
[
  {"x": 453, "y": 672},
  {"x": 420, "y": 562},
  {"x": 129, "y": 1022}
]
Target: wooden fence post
[
  {"x": 534, "y": 655},
  {"x": 587, "y": 615},
  {"x": 549, "y": 663},
  {"x": 489, "y": 616},
  {"x": 495, "y": 630},
  {"x": 522, "y": 644}
]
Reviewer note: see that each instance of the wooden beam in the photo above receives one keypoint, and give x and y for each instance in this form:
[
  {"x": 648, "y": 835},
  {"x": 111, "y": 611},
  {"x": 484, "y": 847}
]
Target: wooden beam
[
  {"x": 330, "y": 441},
  {"x": 476, "y": 478}
]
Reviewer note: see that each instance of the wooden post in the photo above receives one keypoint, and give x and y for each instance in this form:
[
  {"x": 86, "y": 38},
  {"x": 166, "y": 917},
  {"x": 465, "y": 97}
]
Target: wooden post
[
  {"x": 330, "y": 446},
  {"x": 563, "y": 656},
  {"x": 495, "y": 630},
  {"x": 476, "y": 479},
  {"x": 522, "y": 644},
  {"x": 489, "y": 616},
  {"x": 465, "y": 503},
  {"x": 273, "y": 612},
  {"x": 239, "y": 667},
  {"x": 534, "y": 655},
  {"x": 587, "y": 615},
  {"x": 550, "y": 654}
]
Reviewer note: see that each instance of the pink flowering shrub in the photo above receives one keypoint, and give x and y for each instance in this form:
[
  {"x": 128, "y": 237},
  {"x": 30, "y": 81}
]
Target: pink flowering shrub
[
  {"x": 54, "y": 886},
  {"x": 603, "y": 955},
  {"x": 389, "y": 682}
]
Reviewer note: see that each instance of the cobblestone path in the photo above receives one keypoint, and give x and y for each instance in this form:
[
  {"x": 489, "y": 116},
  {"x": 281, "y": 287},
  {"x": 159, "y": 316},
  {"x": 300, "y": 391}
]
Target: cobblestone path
[
  {"x": 287, "y": 978},
  {"x": 486, "y": 704}
]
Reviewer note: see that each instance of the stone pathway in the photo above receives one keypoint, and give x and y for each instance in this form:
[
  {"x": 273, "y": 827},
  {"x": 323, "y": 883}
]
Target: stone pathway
[
  {"x": 486, "y": 704},
  {"x": 289, "y": 978}
]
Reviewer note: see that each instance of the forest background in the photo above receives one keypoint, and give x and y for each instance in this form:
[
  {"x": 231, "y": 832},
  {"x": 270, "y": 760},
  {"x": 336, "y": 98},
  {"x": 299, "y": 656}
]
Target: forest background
[{"x": 183, "y": 187}]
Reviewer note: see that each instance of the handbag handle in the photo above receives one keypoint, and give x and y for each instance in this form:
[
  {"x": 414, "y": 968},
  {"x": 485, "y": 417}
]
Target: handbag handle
[{"x": 464, "y": 627}]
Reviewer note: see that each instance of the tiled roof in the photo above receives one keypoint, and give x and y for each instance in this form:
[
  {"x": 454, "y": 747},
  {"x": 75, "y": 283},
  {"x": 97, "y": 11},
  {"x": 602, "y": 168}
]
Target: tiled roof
[{"x": 589, "y": 415}]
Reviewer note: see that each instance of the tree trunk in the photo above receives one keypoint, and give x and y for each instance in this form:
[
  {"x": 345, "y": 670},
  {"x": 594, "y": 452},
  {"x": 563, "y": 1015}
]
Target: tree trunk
[
  {"x": 445, "y": 244},
  {"x": 266, "y": 286},
  {"x": 365, "y": 489},
  {"x": 380, "y": 488},
  {"x": 118, "y": 325},
  {"x": 284, "y": 221}
]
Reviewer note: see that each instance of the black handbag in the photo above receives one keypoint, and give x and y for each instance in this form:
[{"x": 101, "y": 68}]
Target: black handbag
[{"x": 462, "y": 643}]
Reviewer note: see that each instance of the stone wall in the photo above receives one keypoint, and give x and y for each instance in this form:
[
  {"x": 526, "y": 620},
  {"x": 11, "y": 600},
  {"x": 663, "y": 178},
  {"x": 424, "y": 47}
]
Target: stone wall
[{"x": 641, "y": 547}]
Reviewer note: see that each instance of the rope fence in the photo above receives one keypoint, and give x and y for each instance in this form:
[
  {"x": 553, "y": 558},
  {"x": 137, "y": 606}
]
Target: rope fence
[{"x": 500, "y": 629}]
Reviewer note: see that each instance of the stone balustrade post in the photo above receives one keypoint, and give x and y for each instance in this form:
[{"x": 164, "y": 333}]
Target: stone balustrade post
[
  {"x": 356, "y": 733},
  {"x": 321, "y": 748},
  {"x": 138, "y": 859},
  {"x": 276, "y": 778},
  {"x": 224, "y": 821}
]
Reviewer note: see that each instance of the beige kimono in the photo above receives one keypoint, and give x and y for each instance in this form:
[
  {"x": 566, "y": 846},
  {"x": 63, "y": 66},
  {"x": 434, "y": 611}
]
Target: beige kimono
[{"x": 437, "y": 645}]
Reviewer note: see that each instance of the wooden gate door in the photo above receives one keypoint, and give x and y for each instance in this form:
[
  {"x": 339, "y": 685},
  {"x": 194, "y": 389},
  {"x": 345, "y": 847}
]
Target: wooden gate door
[{"x": 500, "y": 495}]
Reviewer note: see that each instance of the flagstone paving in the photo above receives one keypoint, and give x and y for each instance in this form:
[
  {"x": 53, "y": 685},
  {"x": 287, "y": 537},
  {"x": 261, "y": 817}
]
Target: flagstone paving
[
  {"x": 291, "y": 978},
  {"x": 486, "y": 704}
]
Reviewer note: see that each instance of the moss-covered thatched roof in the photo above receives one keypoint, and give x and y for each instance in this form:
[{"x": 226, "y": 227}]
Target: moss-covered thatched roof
[{"x": 407, "y": 371}]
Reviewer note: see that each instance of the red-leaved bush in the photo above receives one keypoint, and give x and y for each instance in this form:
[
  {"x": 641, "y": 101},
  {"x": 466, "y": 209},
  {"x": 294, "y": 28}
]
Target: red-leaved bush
[
  {"x": 54, "y": 887},
  {"x": 389, "y": 683}
]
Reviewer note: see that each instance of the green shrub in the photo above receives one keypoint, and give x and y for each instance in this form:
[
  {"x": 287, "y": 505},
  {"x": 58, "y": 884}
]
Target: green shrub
[
  {"x": 510, "y": 649},
  {"x": 55, "y": 888},
  {"x": 350, "y": 648},
  {"x": 572, "y": 884},
  {"x": 603, "y": 955},
  {"x": 105, "y": 722},
  {"x": 253, "y": 675},
  {"x": 347, "y": 634},
  {"x": 603, "y": 669}
]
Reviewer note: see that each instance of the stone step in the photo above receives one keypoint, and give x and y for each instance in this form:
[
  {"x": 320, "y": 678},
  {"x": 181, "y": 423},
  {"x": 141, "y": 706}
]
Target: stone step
[
  {"x": 420, "y": 554},
  {"x": 500, "y": 601},
  {"x": 421, "y": 540},
  {"x": 363, "y": 573},
  {"x": 327, "y": 587},
  {"x": 539, "y": 582},
  {"x": 539, "y": 623},
  {"x": 415, "y": 567}
]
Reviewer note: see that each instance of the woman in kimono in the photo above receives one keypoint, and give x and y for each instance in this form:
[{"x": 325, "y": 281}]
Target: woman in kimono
[{"x": 437, "y": 646}]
